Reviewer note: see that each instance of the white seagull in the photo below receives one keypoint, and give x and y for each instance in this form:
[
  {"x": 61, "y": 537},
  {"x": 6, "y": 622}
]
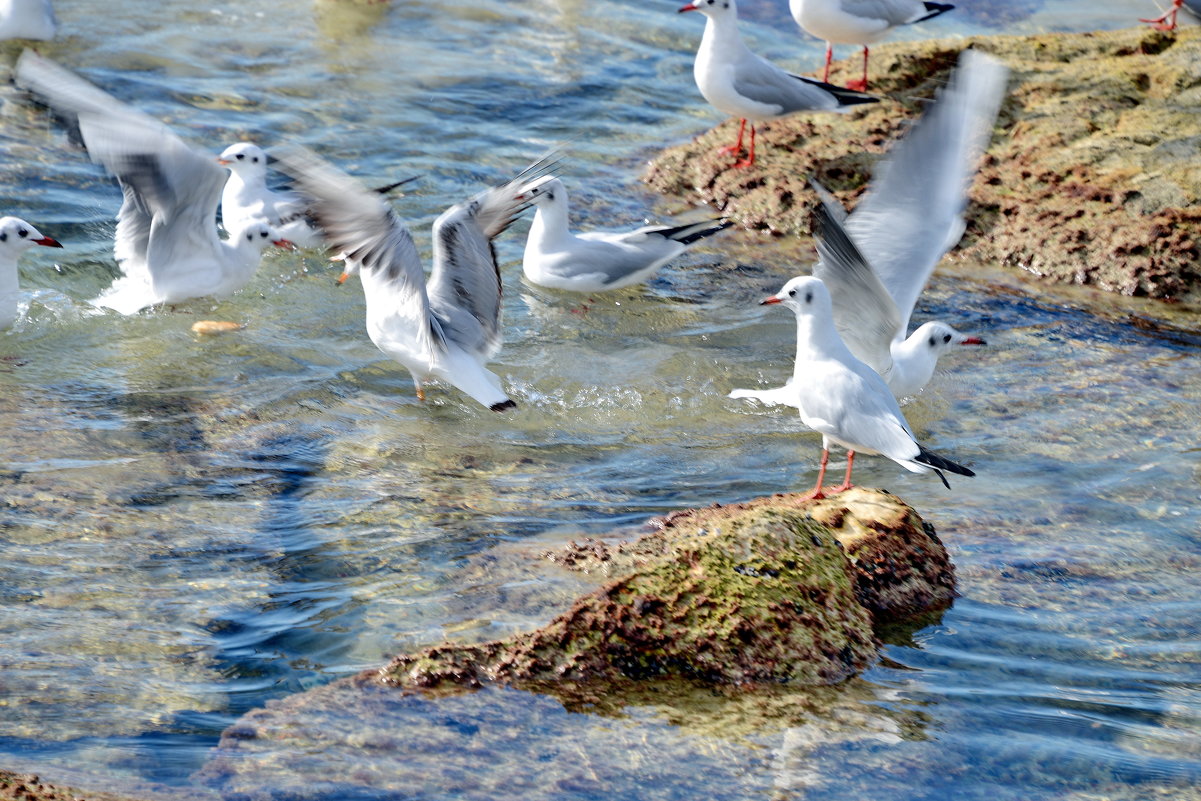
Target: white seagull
[
  {"x": 27, "y": 19},
  {"x": 739, "y": 83},
  {"x": 860, "y": 22},
  {"x": 842, "y": 398},
  {"x": 911, "y": 215},
  {"x": 246, "y": 199},
  {"x": 446, "y": 327},
  {"x": 597, "y": 261},
  {"x": 16, "y": 237},
  {"x": 167, "y": 243}
]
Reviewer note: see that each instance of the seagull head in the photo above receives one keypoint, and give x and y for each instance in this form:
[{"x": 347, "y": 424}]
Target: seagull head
[
  {"x": 712, "y": 8},
  {"x": 938, "y": 336},
  {"x": 546, "y": 190},
  {"x": 805, "y": 295},
  {"x": 259, "y": 236},
  {"x": 244, "y": 159},
  {"x": 18, "y": 236}
]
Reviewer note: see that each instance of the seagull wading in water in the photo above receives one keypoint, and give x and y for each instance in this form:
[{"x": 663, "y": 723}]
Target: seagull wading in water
[
  {"x": 167, "y": 243},
  {"x": 597, "y": 261},
  {"x": 446, "y": 327},
  {"x": 739, "y": 83},
  {"x": 859, "y": 22},
  {"x": 16, "y": 237},
  {"x": 839, "y": 396},
  {"x": 247, "y": 200},
  {"x": 910, "y": 216}
]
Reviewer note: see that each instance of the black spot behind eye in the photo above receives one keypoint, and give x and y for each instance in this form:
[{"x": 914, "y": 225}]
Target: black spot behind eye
[
  {"x": 933, "y": 342},
  {"x": 808, "y": 297},
  {"x": 255, "y": 159},
  {"x": 250, "y": 237},
  {"x": 240, "y": 156},
  {"x": 21, "y": 232},
  {"x": 4, "y": 237},
  {"x": 946, "y": 337}
]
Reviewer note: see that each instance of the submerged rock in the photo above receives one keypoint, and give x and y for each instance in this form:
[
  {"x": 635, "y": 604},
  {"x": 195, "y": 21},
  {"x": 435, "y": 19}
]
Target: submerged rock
[{"x": 1091, "y": 178}]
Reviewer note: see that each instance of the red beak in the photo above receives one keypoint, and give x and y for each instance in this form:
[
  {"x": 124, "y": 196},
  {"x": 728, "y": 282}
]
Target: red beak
[
  {"x": 284, "y": 243},
  {"x": 689, "y": 7},
  {"x": 47, "y": 242},
  {"x": 224, "y": 161},
  {"x": 973, "y": 341},
  {"x": 769, "y": 301}
]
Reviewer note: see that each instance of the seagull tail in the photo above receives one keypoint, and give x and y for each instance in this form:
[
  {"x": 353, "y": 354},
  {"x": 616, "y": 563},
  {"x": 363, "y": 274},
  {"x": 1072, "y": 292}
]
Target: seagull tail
[
  {"x": 693, "y": 232},
  {"x": 844, "y": 97},
  {"x": 939, "y": 463},
  {"x": 933, "y": 10}
]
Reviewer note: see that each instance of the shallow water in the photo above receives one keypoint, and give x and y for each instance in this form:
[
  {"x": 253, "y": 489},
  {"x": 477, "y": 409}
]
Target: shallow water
[{"x": 191, "y": 527}]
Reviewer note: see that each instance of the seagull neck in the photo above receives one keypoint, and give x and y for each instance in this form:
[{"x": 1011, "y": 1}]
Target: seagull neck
[
  {"x": 721, "y": 40},
  {"x": 817, "y": 340},
  {"x": 550, "y": 222},
  {"x": 913, "y": 363},
  {"x": 8, "y": 275}
]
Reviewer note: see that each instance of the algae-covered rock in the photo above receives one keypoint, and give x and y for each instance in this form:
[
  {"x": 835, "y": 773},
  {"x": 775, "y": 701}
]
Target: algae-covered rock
[
  {"x": 766, "y": 595},
  {"x": 1092, "y": 176},
  {"x": 27, "y": 787}
]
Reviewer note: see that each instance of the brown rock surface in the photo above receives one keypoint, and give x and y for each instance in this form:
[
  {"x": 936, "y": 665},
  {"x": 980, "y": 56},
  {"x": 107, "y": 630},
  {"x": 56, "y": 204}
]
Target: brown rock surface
[{"x": 1092, "y": 177}]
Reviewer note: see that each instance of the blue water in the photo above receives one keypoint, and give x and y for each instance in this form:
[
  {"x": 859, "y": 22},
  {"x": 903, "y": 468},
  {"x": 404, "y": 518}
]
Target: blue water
[{"x": 190, "y": 528}]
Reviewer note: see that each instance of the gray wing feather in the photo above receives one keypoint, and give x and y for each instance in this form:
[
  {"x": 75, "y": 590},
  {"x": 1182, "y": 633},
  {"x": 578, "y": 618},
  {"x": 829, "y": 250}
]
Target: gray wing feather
[
  {"x": 912, "y": 213},
  {"x": 864, "y": 313},
  {"x": 764, "y": 82},
  {"x": 894, "y": 12},
  {"x": 359, "y": 222}
]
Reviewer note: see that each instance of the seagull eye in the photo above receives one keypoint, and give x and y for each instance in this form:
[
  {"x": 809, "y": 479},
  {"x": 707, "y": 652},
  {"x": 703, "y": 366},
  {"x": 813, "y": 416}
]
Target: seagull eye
[
  {"x": 946, "y": 337},
  {"x": 240, "y": 156},
  {"x": 792, "y": 293},
  {"x": 263, "y": 234},
  {"x": 21, "y": 232}
]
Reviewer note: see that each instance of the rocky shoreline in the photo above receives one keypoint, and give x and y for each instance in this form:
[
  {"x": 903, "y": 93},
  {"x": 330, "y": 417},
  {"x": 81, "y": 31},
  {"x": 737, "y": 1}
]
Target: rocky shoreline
[{"x": 1091, "y": 177}]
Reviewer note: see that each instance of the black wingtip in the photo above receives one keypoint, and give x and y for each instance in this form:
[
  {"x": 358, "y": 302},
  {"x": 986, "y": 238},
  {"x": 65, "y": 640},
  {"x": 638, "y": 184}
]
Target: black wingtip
[
  {"x": 845, "y": 97},
  {"x": 935, "y": 9},
  {"x": 503, "y": 405},
  {"x": 939, "y": 463},
  {"x": 679, "y": 232}
]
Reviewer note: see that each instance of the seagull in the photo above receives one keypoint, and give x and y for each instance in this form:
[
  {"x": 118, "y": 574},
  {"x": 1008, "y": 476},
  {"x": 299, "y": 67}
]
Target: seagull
[
  {"x": 911, "y": 215},
  {"x": 16, "y": 237},
  {"x": 597, "y": 261},
  {"x": 842, "y": 398},
  {"x": 739, "y": 83},
  {"x": 446, "y": 327},
  {"x": 1167, "y": 22},
  {"x": 860, "y": 22},
  {"x": 27, "y": 19},
  {"x": 167, "y": 243},
  {"x": 246, "y": 198}
]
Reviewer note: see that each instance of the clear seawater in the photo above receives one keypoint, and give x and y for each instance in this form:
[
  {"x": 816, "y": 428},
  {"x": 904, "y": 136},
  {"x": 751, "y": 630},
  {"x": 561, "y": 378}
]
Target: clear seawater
[{"x": 192, "y": 528}]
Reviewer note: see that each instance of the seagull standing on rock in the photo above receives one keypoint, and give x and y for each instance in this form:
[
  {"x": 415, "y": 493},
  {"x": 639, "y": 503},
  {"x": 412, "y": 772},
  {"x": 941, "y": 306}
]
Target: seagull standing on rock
[
  {"x": 446, "y": 327},
  {"x": 739, "y": 83},
  {"x": 840, "y": 397},
  {"x": 860, "y": 22},
  {"x": 597, "y": 261},
  {"x": 16, "y": 237}
]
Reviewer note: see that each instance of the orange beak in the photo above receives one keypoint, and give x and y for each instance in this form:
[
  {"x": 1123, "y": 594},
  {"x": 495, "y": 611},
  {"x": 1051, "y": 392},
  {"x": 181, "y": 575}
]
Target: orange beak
[
  {"x": 287, "y": 244},
  {"x": 225, "y": 162},
  {"x": 769, "y": 301},
  {"x": 689, "y": 7},
  {"x": 47, "y": 242}
]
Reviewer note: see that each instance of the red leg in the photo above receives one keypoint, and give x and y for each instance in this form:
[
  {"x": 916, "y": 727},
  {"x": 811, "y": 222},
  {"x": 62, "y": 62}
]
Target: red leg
[
  {"x": 817, "y": 494},
  {"x": 736, "y": 148},
  {"x": 861, "y": 86},
  {"x": 1168, "y": 21},
  {"x": 750, "y": 159},
  {"x": 829, "y": 58},
  {"x": 846, "y": 481}
]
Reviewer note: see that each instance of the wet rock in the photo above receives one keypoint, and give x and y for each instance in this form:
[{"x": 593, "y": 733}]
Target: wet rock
[
  {"x": 27, "y": 787},
  {"x": 1091, "y": 177}
]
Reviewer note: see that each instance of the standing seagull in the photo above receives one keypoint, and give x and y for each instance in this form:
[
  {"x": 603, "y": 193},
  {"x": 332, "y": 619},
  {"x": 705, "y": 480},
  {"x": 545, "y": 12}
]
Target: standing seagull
[
  {"x": 246, "y": 199},
  {"x": 860, "y": 22},
  {"x": 842, "y": 398},
  {"x": 596, "y": 261},
  {"x": 167, "y": 243},
  {"x": 16, "y": 237},
  {"x": 27, "y": 19},
  {"x": 1167, "y": 22},
  {"x": 911, "y": 215},
  {"x": 446, "y": 327},
  {"x": 739, "y": 83}
]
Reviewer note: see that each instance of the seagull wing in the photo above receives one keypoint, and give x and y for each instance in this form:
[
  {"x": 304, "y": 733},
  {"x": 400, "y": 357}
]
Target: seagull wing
[
  {"x": 893, "y": 12},
  {"x": 764, "y": 82},
  {"x": 912, "y": 213},
  {"x": 360, "y": 223}
]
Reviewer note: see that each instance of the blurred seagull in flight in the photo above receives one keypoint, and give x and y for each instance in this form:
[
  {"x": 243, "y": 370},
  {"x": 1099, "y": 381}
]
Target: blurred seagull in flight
[
  {"x": 16, "y": 237},
  {"x": 860, "y": 22},
  {"x": 597, "y": 261},
  {"x": 739, "y": 83},
  {"x": 840, "y": 397},
  {"x": 167, "y": 243},
  {"x": 445, "y": 327}
]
